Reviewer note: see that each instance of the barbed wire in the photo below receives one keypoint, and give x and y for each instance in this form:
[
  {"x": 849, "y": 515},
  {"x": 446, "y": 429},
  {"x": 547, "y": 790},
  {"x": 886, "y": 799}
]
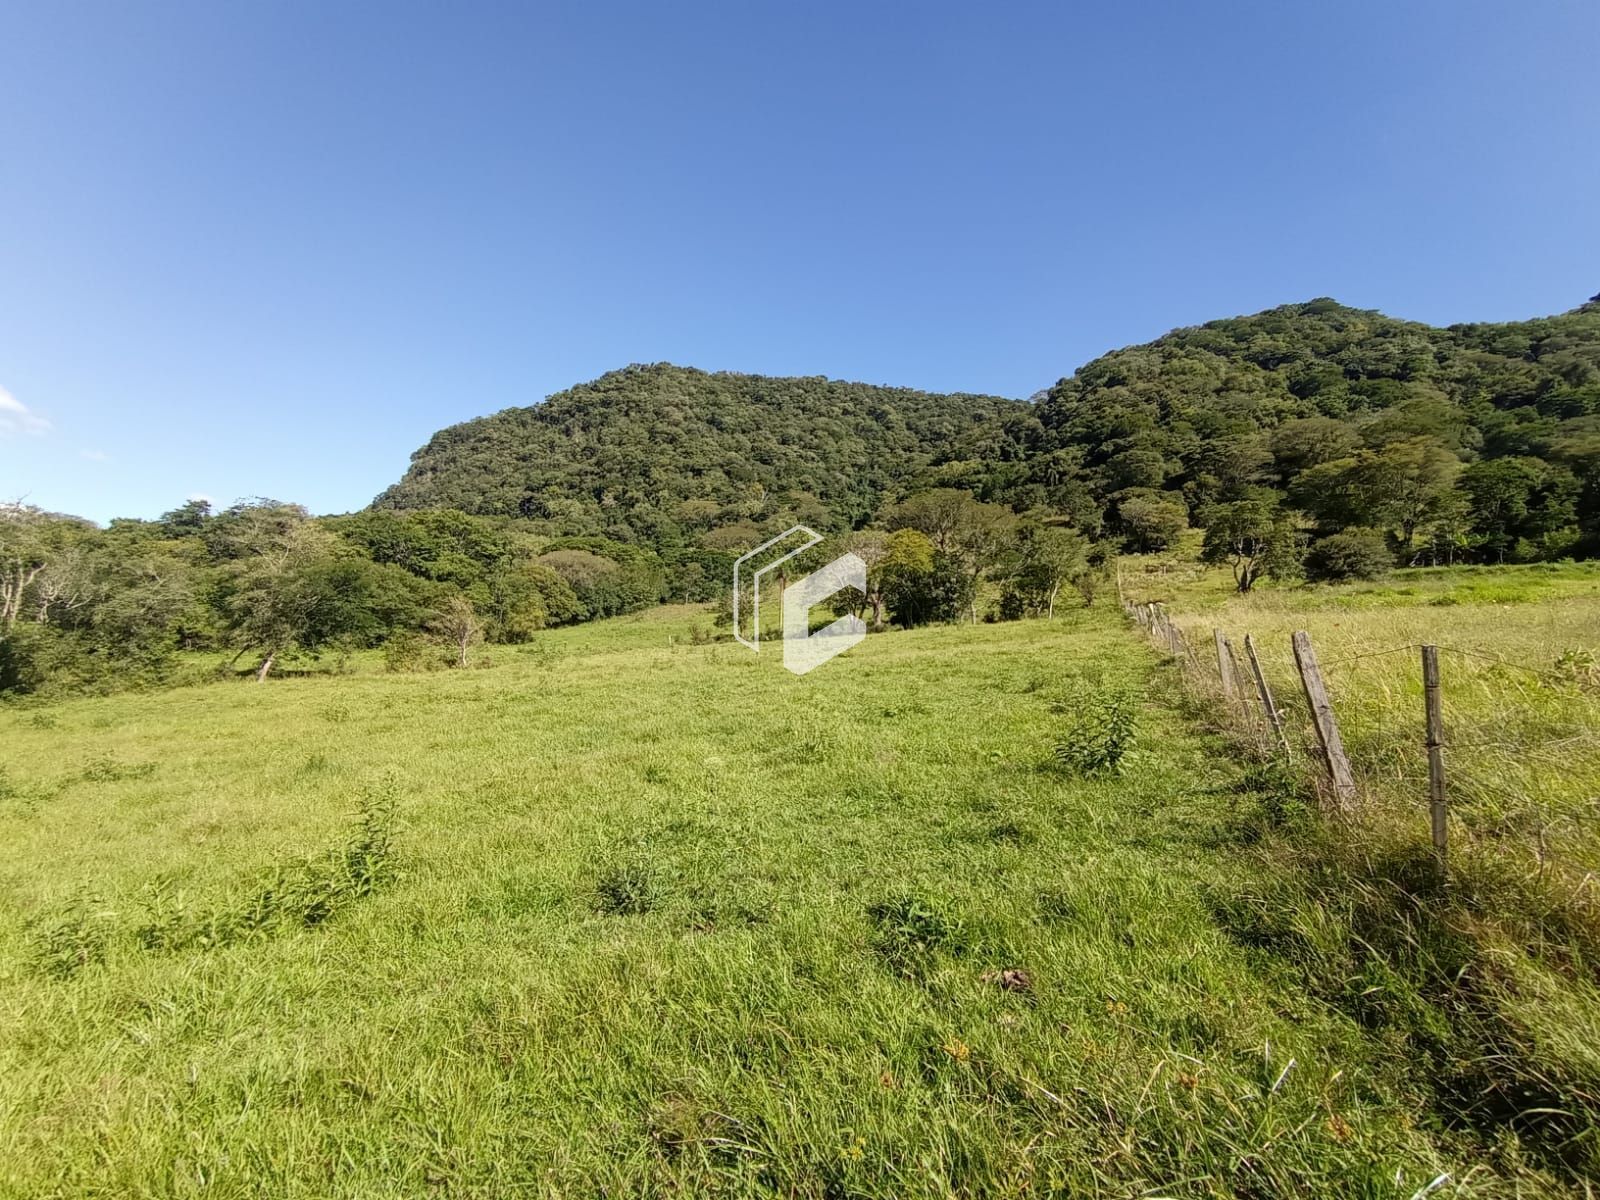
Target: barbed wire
[
  {"x": 1545, "y": 676},
  {"x": 1350, "y": 658}
]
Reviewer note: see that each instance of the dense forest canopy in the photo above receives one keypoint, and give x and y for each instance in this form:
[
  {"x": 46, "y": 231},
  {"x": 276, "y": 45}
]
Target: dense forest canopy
[
  {"x": 662, "y": 453},
  {"x": 1475, "y": 442},
  {"x": 1313, "y": 440},
  {"x": 1479, "y": 441}
]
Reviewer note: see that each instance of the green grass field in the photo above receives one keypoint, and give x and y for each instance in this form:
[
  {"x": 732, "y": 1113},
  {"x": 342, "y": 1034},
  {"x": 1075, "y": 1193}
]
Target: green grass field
[
  {"x": 1520, "y": 668},
  {"x": 1493, "y": 975},
  {"x": 628, "y": 916}
]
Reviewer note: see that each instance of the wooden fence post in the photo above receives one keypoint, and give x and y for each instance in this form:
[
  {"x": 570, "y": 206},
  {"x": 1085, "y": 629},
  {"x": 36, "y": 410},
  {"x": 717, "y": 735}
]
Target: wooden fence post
[
  {"x": 1339, "y": 774},
  {"x": 1264, "y": 693},
  {"x": 1230, "y": 689},
  {"x": 1239, "y": 684},
  {"x": 1435, "y": 710}
]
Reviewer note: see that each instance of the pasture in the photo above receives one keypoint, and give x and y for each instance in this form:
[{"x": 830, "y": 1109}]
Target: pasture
[{"x": 628, "y": 915}]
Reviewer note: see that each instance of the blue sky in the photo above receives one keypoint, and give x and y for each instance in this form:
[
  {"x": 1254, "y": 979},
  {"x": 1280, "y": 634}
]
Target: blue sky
[{"x": 268, "y": 248}]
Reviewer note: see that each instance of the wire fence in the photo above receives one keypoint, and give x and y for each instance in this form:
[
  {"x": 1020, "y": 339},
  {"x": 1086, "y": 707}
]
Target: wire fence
[{"x": 1479, "y": 747}]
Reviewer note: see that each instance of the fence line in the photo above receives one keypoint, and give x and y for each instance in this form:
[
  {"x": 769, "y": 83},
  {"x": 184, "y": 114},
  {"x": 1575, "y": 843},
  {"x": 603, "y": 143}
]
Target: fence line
[{"x": 1258, "y": 715}]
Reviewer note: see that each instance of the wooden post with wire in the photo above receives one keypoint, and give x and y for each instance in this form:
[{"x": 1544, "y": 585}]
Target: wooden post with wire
[
  {"x": 1239, "y": 686},
  {"x": 1341, "y": 778},
  {"x": 1437, "y": 810},
  {"x": 1230, "y": 689},
  {"x": 1264, "y": 693}
]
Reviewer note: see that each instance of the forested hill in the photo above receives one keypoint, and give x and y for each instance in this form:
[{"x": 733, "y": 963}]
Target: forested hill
[
  {"x": 1473, "y": 441},
  {"x": 1312, "y": 440},
  {"x": 1351, "y": 416},
  {"x": 642, "y": 452}
]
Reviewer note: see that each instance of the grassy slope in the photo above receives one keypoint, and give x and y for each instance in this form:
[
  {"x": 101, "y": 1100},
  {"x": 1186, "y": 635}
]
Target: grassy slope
[
  {"x": 1522, "y": 723},
  {"x": 1490, "y": 987},
  {"x": 482, "y": 1025}
]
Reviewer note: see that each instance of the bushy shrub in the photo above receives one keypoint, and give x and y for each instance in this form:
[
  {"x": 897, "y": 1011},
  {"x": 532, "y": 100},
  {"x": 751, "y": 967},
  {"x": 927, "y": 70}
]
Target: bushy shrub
[
  {"x": 1102, "y": 727},
  {"x": 1351, "y": 554},
  {"x": 631, "y": 885},
  {"x": 942, "y": 594},
  {"x": 72, "y": 938},
  {"x": 410, "y": 651}
]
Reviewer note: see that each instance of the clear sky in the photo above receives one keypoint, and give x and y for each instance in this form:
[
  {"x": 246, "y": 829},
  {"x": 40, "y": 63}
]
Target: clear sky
[{"x": 267, "y": 247}]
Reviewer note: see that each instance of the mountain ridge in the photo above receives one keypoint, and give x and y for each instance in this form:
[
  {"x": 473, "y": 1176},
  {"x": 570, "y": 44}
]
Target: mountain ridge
[{"x": 1197, "y": 417}]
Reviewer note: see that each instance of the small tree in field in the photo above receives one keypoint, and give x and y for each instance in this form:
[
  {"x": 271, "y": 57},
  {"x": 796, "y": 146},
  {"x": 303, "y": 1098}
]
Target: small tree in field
[
  {"x": 458, "y": 624},
  {"x": 1047, "y": 559},
  {"x": 1254, "y": 537},
  {"x": 271, "y": 597}
]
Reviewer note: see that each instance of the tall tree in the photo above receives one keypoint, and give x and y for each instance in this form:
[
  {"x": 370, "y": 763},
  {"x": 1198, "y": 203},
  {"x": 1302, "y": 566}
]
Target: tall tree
[
  {"x": 458, "y": 624},
  {"x": 1047, "y": 559},
  {"x": 269, "y": 596},
  {"x": 23, "y": 558},
  {"x": 967, "y": 531}
]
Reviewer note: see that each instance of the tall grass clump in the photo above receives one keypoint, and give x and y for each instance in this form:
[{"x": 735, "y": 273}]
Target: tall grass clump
[{"x": 295, "y": 894}]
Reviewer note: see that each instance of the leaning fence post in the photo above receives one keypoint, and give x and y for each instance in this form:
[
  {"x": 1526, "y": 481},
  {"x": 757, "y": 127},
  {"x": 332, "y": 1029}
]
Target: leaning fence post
[
  {"x": 1264, "y": 692},
  {"x": 1435, "y": 710},
  {"x": 1339, "y": 774},
  {"x": 1230, "y": 692},
  {"x": 1239, "y": 685}
]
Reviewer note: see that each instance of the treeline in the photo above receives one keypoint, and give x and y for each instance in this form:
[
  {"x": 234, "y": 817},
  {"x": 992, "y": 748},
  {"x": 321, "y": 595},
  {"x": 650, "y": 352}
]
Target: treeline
[
  {"x": 265, "y": 584},
  {"x": 1408, "y": 443},
  {"x": 943, "y": 555}
]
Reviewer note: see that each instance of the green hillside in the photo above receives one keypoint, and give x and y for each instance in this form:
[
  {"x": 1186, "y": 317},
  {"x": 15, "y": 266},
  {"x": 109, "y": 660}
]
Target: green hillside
[
  {"x": 1475, "y": 442},
  {"x": 1483, "y": 439},
  {"x": 647, "y": 451}
]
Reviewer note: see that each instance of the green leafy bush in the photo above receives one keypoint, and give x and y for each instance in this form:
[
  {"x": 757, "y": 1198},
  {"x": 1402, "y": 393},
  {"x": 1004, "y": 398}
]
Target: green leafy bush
[
  {"x": 72, "y": 939},
  {"x": 1102, "y": 728},
  {"x": 631, "y": 886},
  {"x": 410, "y": 652},
  {"x": 1352, "y": 554}
]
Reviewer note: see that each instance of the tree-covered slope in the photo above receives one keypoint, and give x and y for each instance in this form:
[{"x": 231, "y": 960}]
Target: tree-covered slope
[
  {"x": 1484, "y": 435},
  {"x": 1474, "y": 441},
  {"x": 642, "y": 451}
]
